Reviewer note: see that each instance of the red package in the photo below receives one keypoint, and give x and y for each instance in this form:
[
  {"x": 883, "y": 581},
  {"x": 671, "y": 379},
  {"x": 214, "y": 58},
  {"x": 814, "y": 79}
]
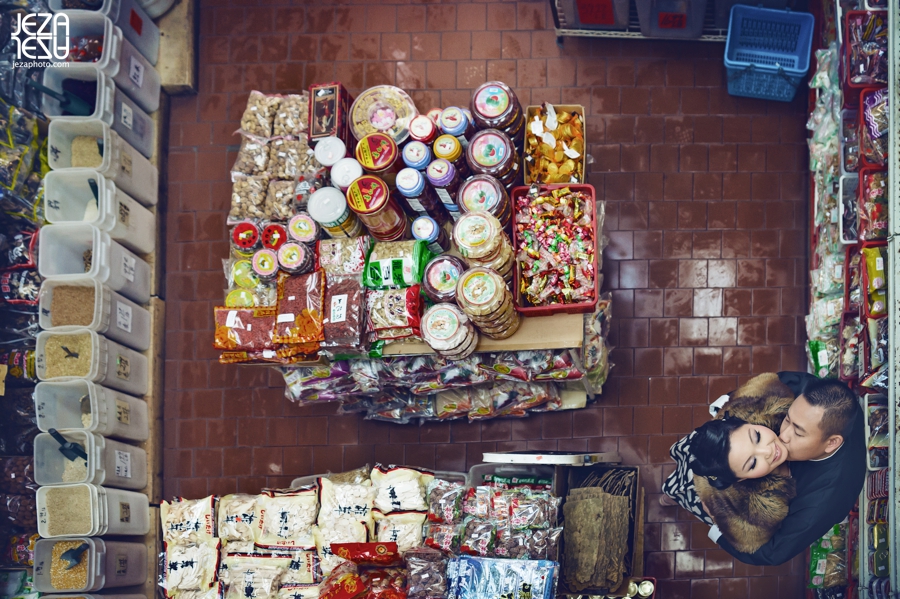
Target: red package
[
  {"x": 248, "y": 329},
  {"x": 344, "y": 582},
  {"x": 299, "y": 311},
  {"x": 368, "y": 554},
  {"x": 385, "y": 583}
]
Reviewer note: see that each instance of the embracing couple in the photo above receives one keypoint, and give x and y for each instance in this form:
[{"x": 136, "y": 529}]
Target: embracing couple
[{"x": 781, "y": 463}]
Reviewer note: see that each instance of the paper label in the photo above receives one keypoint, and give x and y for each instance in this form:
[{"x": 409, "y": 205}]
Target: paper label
[
  {"x": 232, "y": 321},
  {"x": 822, "y": 357},
  {"x": 338, "y": 308},
  {"x": 124, "y": 512},
  {"x": 128, "y": 265},
  {"x": 123, "y": 316},
  {"x": 127, "y": 115},
  {"x": 387, "y": 269},
  {"x": 820, "y": 566},
  {"x": 123, "y": 412},
  {"x": 123, "y": 368},
  {"x": 416, "y": 205},
  {"x": 125, "y": 163},
  {"x": 121, "y": 564},
  {"x": 136, "y": 72},
  {"x": 123, "y": 464},
  {"x": 445, "y": 197},
  {"x": 284, "y": 318},
  {"x": 879, "y": 264},
  {"x": 124, "y": 214}
]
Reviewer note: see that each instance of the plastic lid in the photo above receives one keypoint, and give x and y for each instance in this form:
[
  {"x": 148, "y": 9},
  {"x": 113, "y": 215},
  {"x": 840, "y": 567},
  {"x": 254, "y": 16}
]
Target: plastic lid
[
  {"x": 245, "y": 235},
  {"x": 422, "y": 128},
  {"x": 416, "y": 154},
  {"x": 479, "y": 287},
  {"x": 490, "y": 149},
  {"x": 476, "y": 234},
  {"x": 454, "y": 121},
  {"x": 292, "y": 255},
  {"x": 274, "y": 236},
  {"x": 440, "y": 172},
  {"x": 448, "y": 148},
  {"x": 243, "y": 275},
  {"x": 303, "y": 228},
  {"x": 329, "y": 150},
  {"x": 240, "y": 298},
  {"x": 435, "y": 115},
  {"x": 425, "y": 228},
  {"x": 265, "y": 263},
  {"x": 442, "y": 322},
  {"x": 493, "y": 103},
  {"x": 367, "y": 195},
  {"x": 440, "y": 277},
  {"x": 410, "y": 182},
  {"x": 481, "y": 192},
  {"x": 383, "y": 108},
  {"x": 345, "y": 171},
  {"x": 376, "y": 152},
  {"x": 327, "y": 205}
]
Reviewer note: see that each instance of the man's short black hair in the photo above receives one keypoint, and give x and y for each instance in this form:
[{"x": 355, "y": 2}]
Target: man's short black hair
[{"x": 839, "y": 402}]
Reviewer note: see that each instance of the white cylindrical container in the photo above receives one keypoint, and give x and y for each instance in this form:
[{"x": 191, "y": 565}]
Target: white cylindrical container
[
  {"x": 329, "y": 208},
  {"x": 329, "y": 150},
  {"x": 67, "y": 249},
  {"x": 110, "y": 463},
  {"x": 110, "y": 564},
  {"x": 156, "y": 8},
  {"x": 69, "y": 198},
  {"x": 344, "y": 172},
  {"x": 120, "y": 162},
  {"x": 96, "y": 510},
  {"x": 81, "y": 404},
  {"x": 111, "y": 106},
  {"x": 131, "y": 71},
  {"x": 114, "y": 316},
  {"x": 135, "y": 23},
  {"x": 111, "y": 363}
]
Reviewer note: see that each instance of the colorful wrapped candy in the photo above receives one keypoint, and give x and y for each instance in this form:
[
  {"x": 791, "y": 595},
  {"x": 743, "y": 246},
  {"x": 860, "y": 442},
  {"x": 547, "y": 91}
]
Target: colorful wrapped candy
[{"x": 554, "y": 146}]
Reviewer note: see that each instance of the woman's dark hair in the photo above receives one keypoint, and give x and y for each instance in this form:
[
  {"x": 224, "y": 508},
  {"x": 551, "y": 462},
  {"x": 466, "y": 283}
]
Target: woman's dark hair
[{"x": 710, "y": 448}]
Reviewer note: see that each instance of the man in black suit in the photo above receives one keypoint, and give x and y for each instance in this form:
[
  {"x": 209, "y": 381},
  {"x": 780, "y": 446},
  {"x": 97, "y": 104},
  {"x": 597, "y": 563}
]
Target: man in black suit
[{"x": 825, "y": 436}]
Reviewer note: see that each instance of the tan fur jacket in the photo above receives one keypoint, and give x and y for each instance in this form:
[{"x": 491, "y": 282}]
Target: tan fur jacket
[{"x": 750, "y": 511}]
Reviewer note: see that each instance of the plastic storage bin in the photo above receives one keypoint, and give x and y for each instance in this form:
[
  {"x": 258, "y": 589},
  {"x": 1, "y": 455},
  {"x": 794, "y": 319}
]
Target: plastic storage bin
[
  {"x": 110, "y": 511},
  {"x": 848, "y": 192},
  {"x": 131, "y": 71},
  {"x": 849, "y": 140},
  {"x": 122, "y": 164},
  {"x": 62, "y": 256},
  {"x": 110, "y": 463},
  {"x": 115, "y": 317},
  {"x": 135, "y": 23},
  {"x": 110, "y": 564},
  {"x": 68, "y": 198},
  {"x": 850, "y": 87},
  {"x": 723, "y": 9},
  {"x": 112, "y": 107},
  {"x": 156, "y": 8},
  {"x": 674, "y": 19},
  {"x": 112, "y": 364},
  {"x": 593, "y": 14},
  {"x": 863, "y": 161},
  {"x": 767, "y": 52},
  {"x": 112, "y": 414}
]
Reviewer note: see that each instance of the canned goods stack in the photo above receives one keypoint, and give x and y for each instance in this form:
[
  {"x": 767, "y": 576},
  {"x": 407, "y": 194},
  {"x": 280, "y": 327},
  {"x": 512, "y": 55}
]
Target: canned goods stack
[
  {"x": 484, "y": 297},
  {"x": 449, "y": 332},
  {"x": 482, "y": 242}
]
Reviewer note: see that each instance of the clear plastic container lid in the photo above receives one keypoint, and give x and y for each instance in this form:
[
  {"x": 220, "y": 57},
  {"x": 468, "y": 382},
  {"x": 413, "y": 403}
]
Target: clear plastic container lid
[
  {"x": 454, "y": 121},
  {"x": 441, "y": 173},
  {"x": 329, "y": 150},
  {"x": 377, "y": 152},
  {"x": 440, "y": 278},
  {"x": 477, "y": 234},
  {"x": 494, "y": 105},
  {"x": 482, "y": 192},
  {"x": 491, "y": 152},
  {"x": 265, "y": 263},
  {"x": 481, "y": 291},
  {"x": 410, "y": 183},
  {"x": 445, "y": 327},
  {"x": 292, "y": 256},
  {"x": 417, "y": 155},
  {"x": 425, "y": 228},
  {"x": 346, "y": 171},
  {"x": 382, "y": 109}
]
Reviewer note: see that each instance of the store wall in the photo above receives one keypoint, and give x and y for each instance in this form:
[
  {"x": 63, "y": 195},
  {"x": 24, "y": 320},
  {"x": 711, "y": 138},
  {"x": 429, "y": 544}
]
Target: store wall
[{"x": 706, "y": 216}]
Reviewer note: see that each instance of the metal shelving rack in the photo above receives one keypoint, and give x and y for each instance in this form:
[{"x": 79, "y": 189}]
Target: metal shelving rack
[{"x": 711, "y": 33}]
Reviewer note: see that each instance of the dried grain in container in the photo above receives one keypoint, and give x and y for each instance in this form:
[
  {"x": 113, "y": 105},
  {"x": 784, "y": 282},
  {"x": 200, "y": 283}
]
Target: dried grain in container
[
  {"x": 137, "y": 27},
  {"x": 66, "y": 305},
  {"x": 91, "y": 510},
  {"x": 110, "y": 105},
  {"x": 81, "y": 404},
  {"x": 345, "y": 172},
  {"x": 426, "y": 229},
  {"x": 440, "y": 277},
  {"x": 417, "y": 155},
  {"x": 371, "y": 200},
  {"x": 93, "y": 144},
  {"x": 82, "y": 353},
  {"x": 329, "y": 150},
  {"x": 419, "y": 196},
  {"x": 69, "y": 197},
  {"x": 76, "y": 251},
  {"x": 423, "y": 129},
  {"x": 380, "y": 156},
  {"x": 328, "y": 207},
  {"x": 130, "y": 70},
  {"x": 449, "y": 148},
  {"x": 107, "y": 564},
  {"x": 494, "y": 105},
  {"x": 491, "y": 152},
  {"x": 109, "y": 463}
]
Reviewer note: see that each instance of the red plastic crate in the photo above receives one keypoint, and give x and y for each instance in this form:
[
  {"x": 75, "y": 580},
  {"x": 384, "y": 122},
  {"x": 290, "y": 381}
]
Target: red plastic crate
[
  {"x": 864, "y": 278},
  {"x": 860, "y": 196},
  {"x": 845, "y": 43},
  {"x": 844, "y": 318},
  {"x": 579, "y": 308},
  {"x": 863, "y": 163}
]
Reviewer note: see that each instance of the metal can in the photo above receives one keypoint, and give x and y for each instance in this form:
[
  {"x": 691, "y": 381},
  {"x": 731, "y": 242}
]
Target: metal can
[
  {"x": 632, "y": 589},
  {"x": 345, "y": 172},
  {"x": 370, "y": 199},
  {"x": 379, "y": 155},
  {"x": 328, "y": 207},
  {"x": 646, "y": 588}
]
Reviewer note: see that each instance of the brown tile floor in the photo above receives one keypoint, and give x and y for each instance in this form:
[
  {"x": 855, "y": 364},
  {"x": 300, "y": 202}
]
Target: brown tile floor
[{"x": 706, "y": 216}]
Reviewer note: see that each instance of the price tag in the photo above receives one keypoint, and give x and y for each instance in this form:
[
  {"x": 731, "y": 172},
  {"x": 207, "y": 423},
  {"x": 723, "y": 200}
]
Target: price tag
[
  {"x": 124, "y": 214},
  {"x": 129, "y": 263},
  {"x": 123, "y": 368},
  {"x": 284, "y": 318},
  {"x": 127, "y": 116},
  {"x": 123, "y": 316},
  {"x": 136, "y": 72},
  {"x": 879, "y": 264},
  {"x": 123, "y": 464},
  {"x": 123, "y": 412},
  {"x": 672, "y": 20},
  {"x": 338, "y": 308},
  {"x": 124, "y": 512}
]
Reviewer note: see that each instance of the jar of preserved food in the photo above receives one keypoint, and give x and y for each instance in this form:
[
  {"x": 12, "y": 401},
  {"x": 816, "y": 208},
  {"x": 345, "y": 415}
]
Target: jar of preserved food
[
  {"x": 454, "y": 122},
  {"x": 303, "y": 229},
  {"x": 344, "y": 172},
  {"x": 370, "y": 199},
  {"x": 420, "y": 196},
  {"x": 440, "y": 277},
  {"x": 379, "y": 156},
  {"x": 483, "y": 192},
  {"x": 491, "y": 152},
  {"x": 329, "y": 150},
  {"x": 495, "y": 106},
  {"x": 328, "y": 207},
  {"x": 435, "y": 115},
  {"x": 449, "y": 148},
  {"x": 422, "y": 129},
  {"x": 446, "y": 181},
  {"x": 426, "y": 229},
  {"x": 295, "y": 258},
  {"x": 245, "y": 239},
  {"x": 417, "y": 155}
]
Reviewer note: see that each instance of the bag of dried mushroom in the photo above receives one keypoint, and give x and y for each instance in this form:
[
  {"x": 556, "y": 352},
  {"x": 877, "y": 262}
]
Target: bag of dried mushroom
[{"x": 259, "y": 114}]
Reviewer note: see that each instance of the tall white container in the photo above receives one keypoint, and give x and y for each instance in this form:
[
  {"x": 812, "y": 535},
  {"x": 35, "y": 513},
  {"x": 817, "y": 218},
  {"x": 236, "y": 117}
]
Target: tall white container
[
  {"x": 110, "y": 564},
  {"x": 131, "y": 71},
  {"x": 133, "y": 20},
  {"x": 109, "y": 511},
  {"x": 112, "y": 364},
  {"x": 128, "y": 169},
  {"x": 113, "y": 107},
  {"x": 68, "y": 198},
  {"x": 110, "y": 463},
  {"x": 62, "y": 256},
  {"x": 112, "y": 413}
]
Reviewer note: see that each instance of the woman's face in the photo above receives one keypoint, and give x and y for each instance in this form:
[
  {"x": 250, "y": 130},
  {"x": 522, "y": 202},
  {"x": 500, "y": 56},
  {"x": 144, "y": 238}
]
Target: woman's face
[{"x": 755, "y": 451}]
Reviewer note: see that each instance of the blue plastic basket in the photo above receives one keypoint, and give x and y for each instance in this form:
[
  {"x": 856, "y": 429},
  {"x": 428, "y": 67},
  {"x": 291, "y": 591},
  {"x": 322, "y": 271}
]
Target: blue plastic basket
[{"x": 767, "y": 52}]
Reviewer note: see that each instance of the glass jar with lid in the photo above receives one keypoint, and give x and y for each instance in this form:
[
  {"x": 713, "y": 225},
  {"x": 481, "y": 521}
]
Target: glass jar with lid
[
  {"x": 455, "y": 122},
  {"x": 426, "y": 229},
  {"x": 483, "y": 192},
  {"x": 417, "y": 155},
  {"x": 446, "y": 181},
  {"x": 448, "y": 331},
  {"x": 440, "y": 277},
  {"x": 423, "y": 129},
  {"x": 495, "y": 106},
  {"x": 420, "y": 196},
  {"x": 371, "y": 200},
  {"x": 491, "y": 152},
  {"x": 449, "y": 148},
  {"x": 482, "y": 242}
]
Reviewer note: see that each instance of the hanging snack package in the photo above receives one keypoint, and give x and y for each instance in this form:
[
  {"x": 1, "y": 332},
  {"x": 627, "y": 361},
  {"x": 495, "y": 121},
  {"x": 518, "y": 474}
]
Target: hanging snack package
[
  {"x": 343, "y": 255},
  {"x": 345, "y": 311},
  {"x": 20, "y": 368},
  {"x": 445, "y": 501},
  {"x": 824, "y": 357},
  {"x": 402, "y": 528},
  {"x": 252, "y": 158},
  {"x": 427, "y": 570},
  {"x": 20, "y": 286},
  {"x": 395, "y": 309},
  {"x": 878, "y": 341},
  {"x": 850, "y": 349},
  {"x": 309, "y": 383},
  {"x": 259, "y": 114},
  {"x": 876, "y": 263},
  {"x": 292, "y": 116},
  {"x": 400, "y": 489},
  {"x": 595, "y": 351},
  {"x": 237, "y": 516},
  {"x": 19, "y": 250},
  {"x": 248, "y": 198},
  {"x": 396, "y": 264},
  {"x": 249, "y": 329},
  {"x": 867, "y": 34},
  {"x": 508, "y": 365},
  {"x": 873, "y": 135},
  {"x": 190, "y": 567},
  {"x": 188, "y": 521},
  {"x": 873, "y": 213},
  {"x": 299, "y": 309},
  {"x": 286, "y": 518},
  {"x": 369, "y": 554},
  {"x": 452, "y": 404}
]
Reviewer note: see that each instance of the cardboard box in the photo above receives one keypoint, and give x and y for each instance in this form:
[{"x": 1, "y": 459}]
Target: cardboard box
[{"x": 530, "y": 113}]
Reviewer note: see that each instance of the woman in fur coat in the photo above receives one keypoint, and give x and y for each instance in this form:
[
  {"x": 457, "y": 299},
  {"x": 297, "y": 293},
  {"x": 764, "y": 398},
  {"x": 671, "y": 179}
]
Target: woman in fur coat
[{"x": 734, "y": 466}]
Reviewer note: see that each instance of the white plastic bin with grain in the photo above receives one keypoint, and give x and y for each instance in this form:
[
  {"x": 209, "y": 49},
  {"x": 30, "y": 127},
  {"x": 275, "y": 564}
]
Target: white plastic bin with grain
[
  {"x": 109, "y": 463},
  {"x": 109, "y": 564},
  {"x": 130, "y": 17},
  {"x": 120, "y": 162},
  {"x": 131, "y": 71},
  {"x": 67, "y": 248},
  {"x": 89, "y": 510},
  {"x": 69, "y": 198},
  {"x": 81, "y": 404},
  {"x": 108, "y": 362},
  {"x": 112, "y": 106},
  {"x": 111, "y": 314}
]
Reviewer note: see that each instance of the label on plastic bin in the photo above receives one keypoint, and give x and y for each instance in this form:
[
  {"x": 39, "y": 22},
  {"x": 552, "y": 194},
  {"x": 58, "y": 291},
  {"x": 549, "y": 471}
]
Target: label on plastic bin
[
  {"x": 124, "y": 214},
  {"x": 136, "y": 72},
  {"x": 136, "y": 22},
  {"x": 124, "y": 512},
  {"x": 123, "y": 367},
  {"x": 123, "y": 464},
  {"x": 127, "y": 115},
  {"x": 123, "y": 316},
  {"x": 128, "y": 265},
  {"x": 595, "y": 12},
  {"x": 121, "y": 564},
  {"x": 672, "y": 20},
  {"x": 123, "y": 412},
  {"x": 125, "y": 162}
]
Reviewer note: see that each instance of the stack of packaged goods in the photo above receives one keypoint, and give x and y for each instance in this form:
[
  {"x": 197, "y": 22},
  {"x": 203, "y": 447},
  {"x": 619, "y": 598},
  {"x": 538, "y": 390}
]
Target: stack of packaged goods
[{"x": 348, "y": 220}]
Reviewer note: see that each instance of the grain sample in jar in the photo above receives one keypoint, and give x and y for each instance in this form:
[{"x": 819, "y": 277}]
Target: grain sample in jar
[
  {"x": 483, "y": 192},
  {"x": 440, "y": 277},
  {"x": 245, "y": 239},
  {"x": 449, "y": 148},
  {"x": 418, "y": 194},
  {"x": 273, "y": 236},
  {"x": 494, "y": 105},
  {"x": 328, "y": 207},
  {"x": 265, "y": 264},
  {"x": 345, "y": 172},
  {"x": 449, "y": 332},
  {"x": 491, "y": 152},
  {"x": 482, "y": 242},
  {"x": 69, "y": 510},
  {"x": 417, "y": 155},
  {"x": 329, "y": 150},
  {"x": 303, "y": 229},
  {"x": 380, "y": 156},
  {"x": 72, "y": 306},
  {"x": 295, "y": 258},
  {"x": 371, "y": 200},
  {"x": 63, "y": 576},
  {"x": 484, "y": 297},
  {"x": 426, "y": 229},
  {"x": 67, "y": 355},
  {"x": 455, "y": 122},
  {"x": 443, "y": 177},
  {"x": 423, "y": 129}
]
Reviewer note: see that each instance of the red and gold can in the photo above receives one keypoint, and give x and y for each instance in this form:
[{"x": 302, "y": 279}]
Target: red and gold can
[
  {"x": 378, "y": 154},
  {"x": 370, "y": 199}
]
